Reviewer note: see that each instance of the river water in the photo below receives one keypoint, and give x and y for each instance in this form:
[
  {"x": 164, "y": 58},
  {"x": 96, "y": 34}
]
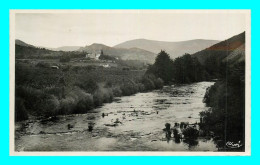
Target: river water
[{"x": 131, "y": 123}]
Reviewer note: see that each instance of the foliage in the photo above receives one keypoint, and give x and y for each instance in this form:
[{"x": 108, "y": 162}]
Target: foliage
[
  {"x": 89, "y": 85},
  {"x": 48, "y": 105},
  {"x": 190, "y": 133},
  {"x": 85, "y": 102},
  {"x": 117, "y": 92},
  {"x": 184, "y": 69},
  {"x": 187, "y": 69},
  {"x": 226, "y": 117},
  {"x": 103, "y": 95},
  {"x": 129, "y": 88},
  {"x": 163, "y": 67}
]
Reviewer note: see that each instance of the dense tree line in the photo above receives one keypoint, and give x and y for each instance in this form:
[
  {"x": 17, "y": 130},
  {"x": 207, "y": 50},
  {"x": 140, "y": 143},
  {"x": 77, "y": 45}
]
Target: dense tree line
[{"x": 184, "y": 69}]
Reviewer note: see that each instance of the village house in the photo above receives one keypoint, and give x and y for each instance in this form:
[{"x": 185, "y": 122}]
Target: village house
[{"x": 94, "y": 56}]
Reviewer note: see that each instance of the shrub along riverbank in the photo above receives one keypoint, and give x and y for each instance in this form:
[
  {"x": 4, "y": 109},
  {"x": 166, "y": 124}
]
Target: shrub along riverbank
[{"x": 45, "y": 92}]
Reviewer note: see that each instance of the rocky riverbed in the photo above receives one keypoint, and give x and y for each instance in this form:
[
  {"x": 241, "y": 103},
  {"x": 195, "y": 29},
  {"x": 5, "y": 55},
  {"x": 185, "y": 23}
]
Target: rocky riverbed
[{"x": 131, "y": 123}]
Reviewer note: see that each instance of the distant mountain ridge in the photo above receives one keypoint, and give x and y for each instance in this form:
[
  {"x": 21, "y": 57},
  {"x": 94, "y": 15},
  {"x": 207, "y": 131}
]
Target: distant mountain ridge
[
  {"x": 175, "y": 49},
  {"x": 66, "y": 48}
]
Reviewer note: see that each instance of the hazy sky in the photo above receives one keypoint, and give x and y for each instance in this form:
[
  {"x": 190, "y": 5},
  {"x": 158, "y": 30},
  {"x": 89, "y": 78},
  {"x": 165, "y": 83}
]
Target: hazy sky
[{"x": 111, "y": 28}]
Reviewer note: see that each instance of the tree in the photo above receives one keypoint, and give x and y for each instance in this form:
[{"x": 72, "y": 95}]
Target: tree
[
  {"x": 163, "y": 67},
  {"x": 187, "y": 69}
]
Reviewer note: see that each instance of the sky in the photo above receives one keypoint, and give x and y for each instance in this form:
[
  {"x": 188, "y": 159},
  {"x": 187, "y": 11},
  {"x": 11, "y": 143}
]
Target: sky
[{"x": 83, "y": 28}]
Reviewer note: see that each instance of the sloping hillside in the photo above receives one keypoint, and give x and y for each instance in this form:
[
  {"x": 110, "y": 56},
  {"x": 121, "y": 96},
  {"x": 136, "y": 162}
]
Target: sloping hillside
[
  {"x": 24, "y": 50},
  {"x": 231, "y": 50},
  {"x": 122, "y": 53},
  {"x": 238, "y": 55},
  {"x": 21, "y": 43},
  {"x": 222, "y": 49},
  {"x": 174, "y": 49}
]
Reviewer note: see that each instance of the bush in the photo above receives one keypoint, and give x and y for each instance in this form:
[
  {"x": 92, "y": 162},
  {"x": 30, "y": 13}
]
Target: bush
[
  {"x": 141, "y": 87},
  {"x": 117, "y": 91},
  {"x": 129, "y": 89},
  {"x": 148, "y": 83},
  {"x": 190, "y": 133},
  {"x": 56, "y": 91},
  {"x": 67, "y": 105},
  {"x": 83, "y": 101},
  {"x": 31, "y": 97},
  {"x": 158, "y": 83},
  {"x": 37, "y": 102},
  {"x": 49, "y": 105},
  {"x": 89, "y": 85},
  {"x": 103, "y": 95}
]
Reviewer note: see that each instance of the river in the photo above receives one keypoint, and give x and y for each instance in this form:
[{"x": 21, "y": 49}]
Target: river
[{"x": 131, "y": 123}]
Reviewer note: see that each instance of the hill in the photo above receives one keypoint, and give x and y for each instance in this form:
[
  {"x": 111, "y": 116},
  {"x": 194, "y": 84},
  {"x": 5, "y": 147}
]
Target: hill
[
  {"x": 175, "y": 49},
  {"x": 24, "y": 50},
  {"x": 222, "y": 49},
  {"x": 122, "y": 53},
  {"x": 215, "y": 57},
  {"x": 21, "y": 43},
  {"x": 236, "y": 56}
]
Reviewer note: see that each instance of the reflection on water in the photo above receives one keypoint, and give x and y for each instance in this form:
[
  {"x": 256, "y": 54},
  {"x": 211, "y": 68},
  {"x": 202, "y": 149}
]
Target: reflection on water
[{"x": 132, "y": 123}]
